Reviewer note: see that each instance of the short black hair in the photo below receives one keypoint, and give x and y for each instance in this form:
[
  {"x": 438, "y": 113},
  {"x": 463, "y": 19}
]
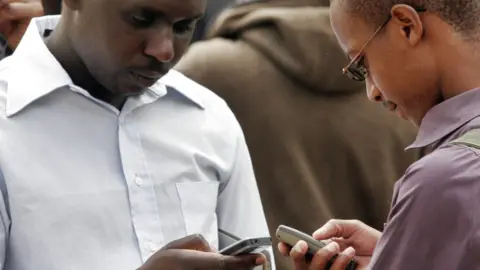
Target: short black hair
[{"x": 462, "y": 15}]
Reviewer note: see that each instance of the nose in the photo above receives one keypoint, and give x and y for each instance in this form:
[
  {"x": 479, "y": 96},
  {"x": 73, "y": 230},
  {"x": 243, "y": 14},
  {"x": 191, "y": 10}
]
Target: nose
[
  {"x": 160, "y": 44},
  {"x": 372, "y": 91}
]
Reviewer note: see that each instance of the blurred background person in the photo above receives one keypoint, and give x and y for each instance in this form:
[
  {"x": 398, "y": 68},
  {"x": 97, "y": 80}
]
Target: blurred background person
[
  {"x": 15, "y": 15},
  {"x": 214, "y": 7},
  {"x": 52, "y": 7},
  {"x": 320, "y": 148}
]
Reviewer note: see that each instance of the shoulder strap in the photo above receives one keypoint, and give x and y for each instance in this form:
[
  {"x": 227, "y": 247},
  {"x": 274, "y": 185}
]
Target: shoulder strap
[{"x": 471, "y": 139}]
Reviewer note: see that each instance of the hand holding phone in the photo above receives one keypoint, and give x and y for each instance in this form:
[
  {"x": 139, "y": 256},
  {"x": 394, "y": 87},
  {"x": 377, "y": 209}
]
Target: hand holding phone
[
  {"x": 291, "y": 237},
  {"x": 193, "y": 252}
]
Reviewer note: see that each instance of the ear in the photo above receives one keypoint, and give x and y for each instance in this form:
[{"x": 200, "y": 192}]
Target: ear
[{"x": 409, "y": 22}]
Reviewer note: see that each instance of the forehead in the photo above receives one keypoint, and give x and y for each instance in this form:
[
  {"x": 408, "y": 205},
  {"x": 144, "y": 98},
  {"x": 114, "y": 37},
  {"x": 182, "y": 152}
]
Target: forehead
[
  {"x": 351, "y": 31},
  {"x": 170, "y": 8}
]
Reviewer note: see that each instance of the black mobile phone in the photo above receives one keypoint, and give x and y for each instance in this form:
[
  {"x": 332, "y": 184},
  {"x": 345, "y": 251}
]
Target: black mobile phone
[{"x": 291, "y": 236}]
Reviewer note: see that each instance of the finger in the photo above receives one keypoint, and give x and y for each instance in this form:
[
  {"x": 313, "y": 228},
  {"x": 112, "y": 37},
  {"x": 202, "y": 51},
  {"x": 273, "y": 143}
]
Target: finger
[
  {"x": 343, "y": 259},
  {"x": 323, "y": 257},
  {"x": 337, "y": 228},
  {"x": 239, "y": 262},
  {"x": 343, "y": 243},
  {"x": 284, "y": 249},
  {"x": 18, "y": 11},
  {"x": 192, "y": 242},
  {"x": 6, "y": 2},
  {"x": 297, "y": 254}
]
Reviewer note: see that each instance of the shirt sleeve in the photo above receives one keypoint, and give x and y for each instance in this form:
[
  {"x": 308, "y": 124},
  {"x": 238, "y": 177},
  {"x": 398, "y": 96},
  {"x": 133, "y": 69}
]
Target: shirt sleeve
[
  {"x": 239, "y": 207},
  {"x": 432, "y": 220}
]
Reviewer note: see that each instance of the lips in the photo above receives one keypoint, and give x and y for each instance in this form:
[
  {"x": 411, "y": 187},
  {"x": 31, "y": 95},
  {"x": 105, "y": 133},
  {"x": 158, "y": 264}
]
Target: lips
[
  {"x": 150, "y": 75},
  {"x": 395, "y": 109},
  {"x": 145, "y": 78}
]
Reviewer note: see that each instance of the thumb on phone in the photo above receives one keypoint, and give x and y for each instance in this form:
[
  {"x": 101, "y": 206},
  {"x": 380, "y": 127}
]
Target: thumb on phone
[
  {"x": 240, "y": 262},
  {"x": 337, "y": 228},
  {"x": 192, "y": 242}
]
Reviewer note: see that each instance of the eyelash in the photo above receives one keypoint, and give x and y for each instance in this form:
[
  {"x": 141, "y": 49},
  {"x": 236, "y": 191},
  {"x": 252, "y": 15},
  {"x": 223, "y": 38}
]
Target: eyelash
[
  {"x": 145, "y": 21},
  {"x": 184, "y": 27}
]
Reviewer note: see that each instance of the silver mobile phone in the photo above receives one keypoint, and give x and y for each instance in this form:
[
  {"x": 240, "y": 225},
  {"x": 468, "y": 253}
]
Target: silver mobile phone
[
  {"x": 247, "y": 246},
  {"x": 237, "y": 246},
  {"x": 291, "y": 236}
]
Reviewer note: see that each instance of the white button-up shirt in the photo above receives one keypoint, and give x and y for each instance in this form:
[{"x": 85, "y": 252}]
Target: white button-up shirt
[{"x": 87, "y": 186}]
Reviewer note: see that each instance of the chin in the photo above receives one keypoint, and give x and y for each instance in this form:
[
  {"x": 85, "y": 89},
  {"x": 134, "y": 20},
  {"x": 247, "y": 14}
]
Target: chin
[
  {"x": 130, "y": 88},
  {"x": 131, "y": 91}
]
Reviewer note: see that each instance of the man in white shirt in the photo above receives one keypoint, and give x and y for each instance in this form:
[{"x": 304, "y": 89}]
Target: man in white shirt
[{"x": 103, "y": 159}]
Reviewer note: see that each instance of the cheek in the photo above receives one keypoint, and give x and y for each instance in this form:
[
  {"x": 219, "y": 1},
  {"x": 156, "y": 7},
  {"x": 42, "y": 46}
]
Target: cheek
[
  {"x": 386, "y": 79},
  {"x": 407, "y": 85}
]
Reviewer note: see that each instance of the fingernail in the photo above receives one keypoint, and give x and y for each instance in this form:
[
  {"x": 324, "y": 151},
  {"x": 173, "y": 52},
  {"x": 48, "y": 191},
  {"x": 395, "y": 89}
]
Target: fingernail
[
  {"x": 322, "y": 231},
  {"x": 319, "y": 232},
  {"x": 333, "y": 247},
  {"x": 300, "y": 247},
  {"x": 260, "y": 260},
  {"x": 350, "y": 251}
]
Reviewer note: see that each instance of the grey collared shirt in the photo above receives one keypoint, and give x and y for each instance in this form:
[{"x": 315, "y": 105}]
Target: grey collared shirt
[
  {"x": 87, "y": 186},
  {"x": 434, "y": 222}
]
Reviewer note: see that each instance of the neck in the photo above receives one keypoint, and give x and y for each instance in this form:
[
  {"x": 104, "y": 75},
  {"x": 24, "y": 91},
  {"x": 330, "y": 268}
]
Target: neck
[
  {"x": 461, "y": 69},
  {"x": 61, "y": 47}
]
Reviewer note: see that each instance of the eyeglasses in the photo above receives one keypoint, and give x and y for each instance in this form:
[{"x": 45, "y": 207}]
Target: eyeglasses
[{"x": 356, "y": 70}]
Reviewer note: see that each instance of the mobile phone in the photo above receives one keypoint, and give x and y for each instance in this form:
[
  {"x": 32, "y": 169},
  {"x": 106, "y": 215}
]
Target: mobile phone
[
  {"x": 291, "y": 236},
  {"x": 247, "y": 246}
]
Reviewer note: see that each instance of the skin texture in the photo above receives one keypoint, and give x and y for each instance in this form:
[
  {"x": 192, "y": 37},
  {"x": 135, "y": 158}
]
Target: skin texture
[
  {"x": 415, "y": 62},
  {"x": 118, "y": 48}
]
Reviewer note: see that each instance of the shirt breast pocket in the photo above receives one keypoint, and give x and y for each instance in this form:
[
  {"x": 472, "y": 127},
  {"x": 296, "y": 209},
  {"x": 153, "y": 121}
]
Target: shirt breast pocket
[{"x": 198, "y": 201}]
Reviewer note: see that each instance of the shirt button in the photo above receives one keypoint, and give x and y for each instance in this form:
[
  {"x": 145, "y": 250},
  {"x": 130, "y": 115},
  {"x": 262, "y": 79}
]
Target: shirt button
[{"x": 138, "y": 180}]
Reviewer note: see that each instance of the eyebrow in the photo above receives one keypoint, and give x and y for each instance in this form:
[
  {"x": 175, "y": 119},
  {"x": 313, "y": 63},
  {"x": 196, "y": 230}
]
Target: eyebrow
[
  {"x": 196, "y": 17},
  {"x": 161, "y": 13}
]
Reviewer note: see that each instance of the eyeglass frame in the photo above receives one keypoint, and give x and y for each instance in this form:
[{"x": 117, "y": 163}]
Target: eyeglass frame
[{"x": 355, "y": 60}]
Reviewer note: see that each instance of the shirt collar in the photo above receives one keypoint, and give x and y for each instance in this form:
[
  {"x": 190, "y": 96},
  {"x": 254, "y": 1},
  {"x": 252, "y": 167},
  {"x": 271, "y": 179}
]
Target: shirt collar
[
  {"x": 174, "y": 80},
  {"x": 34, "y": 72},
  {"x": 447, "y": 117}
]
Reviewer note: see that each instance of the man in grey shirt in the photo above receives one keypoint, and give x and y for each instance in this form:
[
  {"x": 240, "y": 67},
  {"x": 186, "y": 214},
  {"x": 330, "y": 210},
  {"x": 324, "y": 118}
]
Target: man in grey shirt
[{"x": 421, "y": 61}]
